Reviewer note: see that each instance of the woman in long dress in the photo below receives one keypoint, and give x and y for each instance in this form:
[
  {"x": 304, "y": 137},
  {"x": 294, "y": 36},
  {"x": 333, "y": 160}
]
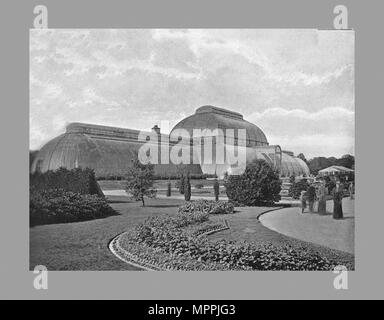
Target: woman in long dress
[
  {"x": 303, "y": 200},
  {"x": 337, "y": 201}
]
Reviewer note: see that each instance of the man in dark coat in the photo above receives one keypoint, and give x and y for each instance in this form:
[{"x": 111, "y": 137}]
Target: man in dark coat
[{"x": 311, "y": 196}]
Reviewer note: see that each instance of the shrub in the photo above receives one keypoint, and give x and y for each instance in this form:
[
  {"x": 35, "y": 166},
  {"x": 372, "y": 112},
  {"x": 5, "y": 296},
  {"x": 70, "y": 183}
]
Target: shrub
[
  {"x": 58, "y": 205},
  {"x": 259, "y": 185},
  {"x": 216, "y": 189},
  {"x": 207, "y": 206},
  {"x": 187, "y": 188},
  {"x": 77, "y": 180},
  {"x": 164, "y": 241},
  {"x": 199, "y": 186},
  {"x": 181, "y": 184},
  {"x": 297, "y": 187},
  {"x": 140, "y": 181}
]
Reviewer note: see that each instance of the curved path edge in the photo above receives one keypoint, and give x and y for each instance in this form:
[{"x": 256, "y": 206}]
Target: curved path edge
[{"x": 267, "y": 211}]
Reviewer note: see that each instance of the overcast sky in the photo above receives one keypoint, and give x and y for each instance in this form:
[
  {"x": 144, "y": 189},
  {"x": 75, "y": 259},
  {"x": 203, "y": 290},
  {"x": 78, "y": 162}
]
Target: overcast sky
[{"x": 296, "y": 85}]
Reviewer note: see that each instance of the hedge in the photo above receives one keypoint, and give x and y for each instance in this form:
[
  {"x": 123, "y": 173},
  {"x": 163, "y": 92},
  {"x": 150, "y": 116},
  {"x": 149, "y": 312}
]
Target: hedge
[
  {"x": 76, "y": 180},
  {"x": 208, "y": 206},
  {"x": 58, "y": 206}
]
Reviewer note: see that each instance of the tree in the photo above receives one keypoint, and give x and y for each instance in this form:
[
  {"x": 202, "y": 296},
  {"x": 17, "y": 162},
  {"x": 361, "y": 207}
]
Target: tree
[
  {"x": 259, "y": 185},
  {"x": 302, "y": 157},
  {"x": 140, "y": 180},
  {"x": 181, "y": 183},
  {"x": 216, "y": 188},
  {"x": 187, "y": 188},
  {"x": 169, "y": 188},
  {"x": 319, "y": 163},
  {"x": 346, "y": 161},
  {"x": 297, "y": 187}
]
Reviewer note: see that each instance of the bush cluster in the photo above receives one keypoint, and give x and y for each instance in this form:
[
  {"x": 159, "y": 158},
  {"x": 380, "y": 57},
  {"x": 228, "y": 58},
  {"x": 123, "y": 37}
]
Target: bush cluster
[
  {"x": 77, "y": 180},
  {"x": 259, "y": 185},
  {"x": 58, "y": 206},
  {"x": 297, "y": 187},
  {"x": 207, "y": 206},
  {"x": 164, "y": 242}
]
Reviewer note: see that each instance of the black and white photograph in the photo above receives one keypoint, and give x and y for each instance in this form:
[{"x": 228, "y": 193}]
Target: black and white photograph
[{"x": 192, "y": 149}]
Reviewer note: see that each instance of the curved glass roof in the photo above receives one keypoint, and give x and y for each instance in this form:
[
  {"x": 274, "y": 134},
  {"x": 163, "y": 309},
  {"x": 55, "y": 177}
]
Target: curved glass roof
[{"x": 210, "y": 117}]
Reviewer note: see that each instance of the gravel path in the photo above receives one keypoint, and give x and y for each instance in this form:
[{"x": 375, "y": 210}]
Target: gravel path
[{"x": 312, "y": 227}]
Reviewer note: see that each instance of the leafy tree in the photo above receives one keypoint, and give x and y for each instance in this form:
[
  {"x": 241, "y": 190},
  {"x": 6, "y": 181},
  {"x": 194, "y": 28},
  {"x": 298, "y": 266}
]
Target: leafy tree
[
  {"x": 259, "y": 185},
  {"x": 319, "y": 163},
  {"x": 140, "y": 181},
  {"x": 346, "y": 160},
  {"x": 302, "y": 157}
]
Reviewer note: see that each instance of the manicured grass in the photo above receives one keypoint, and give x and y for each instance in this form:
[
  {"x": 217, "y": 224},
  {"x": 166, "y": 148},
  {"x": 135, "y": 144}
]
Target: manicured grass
[
  {"x": 112, "y": 184},
  {"x": 244, "y": 226},
  {"x": 160, "y": 184},
  {"x": 84, "y": 245}
]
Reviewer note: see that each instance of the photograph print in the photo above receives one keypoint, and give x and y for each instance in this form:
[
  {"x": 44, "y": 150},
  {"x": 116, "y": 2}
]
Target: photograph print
[{"x": 192, "y": 149}]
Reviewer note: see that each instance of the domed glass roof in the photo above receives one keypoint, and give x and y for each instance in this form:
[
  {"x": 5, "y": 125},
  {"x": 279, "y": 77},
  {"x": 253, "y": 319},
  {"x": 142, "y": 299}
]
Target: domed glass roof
[
  {"x": 210, "y": 117},
  {"x": 107, "y": 150},
  {"x": 293, "y": 166}
]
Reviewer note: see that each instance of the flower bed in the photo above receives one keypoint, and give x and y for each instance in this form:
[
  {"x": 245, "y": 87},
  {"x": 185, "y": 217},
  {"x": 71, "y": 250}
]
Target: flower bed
[
  {"x": 208, "y": 206},
  {"x": 176, "y": 243},
  {"x": 151, "y": 259}
]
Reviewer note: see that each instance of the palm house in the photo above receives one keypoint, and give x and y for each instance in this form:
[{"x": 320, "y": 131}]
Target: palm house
[{"x": 110, "y": 150}]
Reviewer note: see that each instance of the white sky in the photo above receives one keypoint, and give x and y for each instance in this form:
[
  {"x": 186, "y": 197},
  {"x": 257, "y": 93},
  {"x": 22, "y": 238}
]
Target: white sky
[{"x": 296, "y": 85}]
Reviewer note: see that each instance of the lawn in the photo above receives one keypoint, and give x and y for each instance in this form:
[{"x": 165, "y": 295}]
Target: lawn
[
  {"x": 159, "y": 184},
  {"x": 244, "y": 226},
  {"x": 162, "y": 185},
  {"x": 84, "y": 245}
]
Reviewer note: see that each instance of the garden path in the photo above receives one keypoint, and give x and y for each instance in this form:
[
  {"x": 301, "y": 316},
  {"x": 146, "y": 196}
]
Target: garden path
[{"x": 315, "y": 228}]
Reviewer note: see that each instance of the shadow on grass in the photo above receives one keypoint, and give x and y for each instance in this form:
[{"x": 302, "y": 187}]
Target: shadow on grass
[
  {"x": 120, "y": 201},
  {"x": 112, "y": 212},
  {"x": 162, "y": 205}
]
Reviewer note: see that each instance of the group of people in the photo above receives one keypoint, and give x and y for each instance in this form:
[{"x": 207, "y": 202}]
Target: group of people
[{"x": 311, "y": 195}]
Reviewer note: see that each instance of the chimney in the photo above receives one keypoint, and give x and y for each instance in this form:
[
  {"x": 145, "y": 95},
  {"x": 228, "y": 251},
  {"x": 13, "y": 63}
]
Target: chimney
[{"x": 156, "y": 129}]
